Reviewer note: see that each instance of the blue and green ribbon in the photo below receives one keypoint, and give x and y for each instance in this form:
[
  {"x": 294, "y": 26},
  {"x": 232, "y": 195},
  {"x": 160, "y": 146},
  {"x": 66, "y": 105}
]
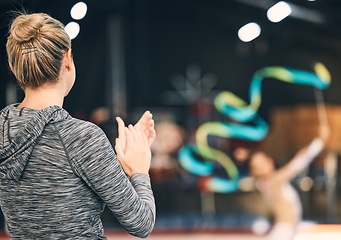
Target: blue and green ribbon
[{"x": 237, "y": 109}]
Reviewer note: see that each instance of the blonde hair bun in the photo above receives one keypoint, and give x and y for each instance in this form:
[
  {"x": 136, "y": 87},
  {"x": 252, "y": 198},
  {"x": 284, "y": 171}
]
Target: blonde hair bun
[{"x": 27, "y": 27}]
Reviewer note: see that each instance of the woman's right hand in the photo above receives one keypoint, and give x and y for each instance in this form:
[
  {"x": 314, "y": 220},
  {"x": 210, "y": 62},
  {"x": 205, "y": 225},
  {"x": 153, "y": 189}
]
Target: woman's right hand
[{"x": 133, "y": 149}]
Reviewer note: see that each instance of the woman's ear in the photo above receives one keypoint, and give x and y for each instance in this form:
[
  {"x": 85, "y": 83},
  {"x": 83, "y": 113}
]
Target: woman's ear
[{"x": 68, "y": 59}]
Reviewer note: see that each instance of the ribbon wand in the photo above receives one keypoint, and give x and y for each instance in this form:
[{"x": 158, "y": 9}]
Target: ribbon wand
[
  {"x": 321, "y": 107},
  {"x": 324, "y": 75}
]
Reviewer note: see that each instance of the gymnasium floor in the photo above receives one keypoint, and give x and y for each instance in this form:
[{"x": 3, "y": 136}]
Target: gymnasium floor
[
  {"x": 312, "y": 232},
  {"x": 308, "y": 232},
  {"x": 193, "y": 236}
]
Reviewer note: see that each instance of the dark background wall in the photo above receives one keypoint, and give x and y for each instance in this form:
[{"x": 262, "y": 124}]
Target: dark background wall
[{"x": 163, "y": 38}]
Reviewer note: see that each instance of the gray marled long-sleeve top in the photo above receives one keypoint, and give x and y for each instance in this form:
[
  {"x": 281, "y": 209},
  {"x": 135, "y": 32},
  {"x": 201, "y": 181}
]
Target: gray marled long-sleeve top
[{"x": 56, "y": 175}]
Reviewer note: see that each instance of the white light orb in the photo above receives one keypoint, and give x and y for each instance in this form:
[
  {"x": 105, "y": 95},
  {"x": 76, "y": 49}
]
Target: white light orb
[
  {"x": 78, "y": 11},
  {"x": 249, "y": 32},
  {"x": 72, "y": 28}
]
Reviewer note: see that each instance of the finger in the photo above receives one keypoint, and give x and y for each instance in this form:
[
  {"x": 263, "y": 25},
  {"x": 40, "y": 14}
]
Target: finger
[
  {"x": 151, "y": 124},
  {"x": 121, "y": 126},
  {"x": 121, "y": 133},
  {"x": 132, "y": 128},
  {"x": 118, "y": 148},
  {"x": 143, "y": 122},
  {"x": 136, "y": 132},
  {"x": 149, "y": 127},
  {"x": 152, "y": 137},
  {"x": 146, "y": 123},
  {"x": 139, "y": 136},
  {"x": 130, "y": 136},
  {"x": 142, "y": 134},
  {"x": 151, "y": 132}
]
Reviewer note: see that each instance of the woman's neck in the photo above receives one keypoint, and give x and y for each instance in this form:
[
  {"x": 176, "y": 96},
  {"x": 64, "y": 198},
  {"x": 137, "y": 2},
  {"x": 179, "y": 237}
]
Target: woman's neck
[{"x": 42, "y": 97}]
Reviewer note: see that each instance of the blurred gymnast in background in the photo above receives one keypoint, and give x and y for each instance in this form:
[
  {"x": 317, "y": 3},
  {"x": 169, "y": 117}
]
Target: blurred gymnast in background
[
  {"x": 275, "y": 184},
  {"x": 56, "y": 172}
]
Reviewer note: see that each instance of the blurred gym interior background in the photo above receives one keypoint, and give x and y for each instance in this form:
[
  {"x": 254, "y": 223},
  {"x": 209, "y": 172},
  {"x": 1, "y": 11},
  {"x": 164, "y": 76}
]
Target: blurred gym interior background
[{"x": 173, "y": 57}]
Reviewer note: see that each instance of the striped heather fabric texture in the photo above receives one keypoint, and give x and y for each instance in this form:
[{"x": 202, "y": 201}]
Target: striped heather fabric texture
[{"x": 56, "y": 175}]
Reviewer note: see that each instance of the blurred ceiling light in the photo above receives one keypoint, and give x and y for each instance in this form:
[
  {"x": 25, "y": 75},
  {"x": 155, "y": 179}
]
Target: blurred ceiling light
[
  {"x": 78, "y": 11},
  {"x": 279, "y": 11},
  {"x": 249, "y": 32},
  {"x": 298, "y": 12},
  {"x": 72, "y": 28}
]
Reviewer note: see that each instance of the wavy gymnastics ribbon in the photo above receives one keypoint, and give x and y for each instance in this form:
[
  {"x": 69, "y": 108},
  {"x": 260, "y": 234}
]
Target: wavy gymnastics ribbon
[{"x": 237, "y": 109}]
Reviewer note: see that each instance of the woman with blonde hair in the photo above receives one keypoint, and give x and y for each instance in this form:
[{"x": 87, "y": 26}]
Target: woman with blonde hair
[{"x": 56, "y": 172}]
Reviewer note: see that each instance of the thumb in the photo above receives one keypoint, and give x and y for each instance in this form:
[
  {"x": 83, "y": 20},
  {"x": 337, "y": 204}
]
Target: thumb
[
  {"x": 121, "y": 133},
  {"x": 121, "y": 126}
]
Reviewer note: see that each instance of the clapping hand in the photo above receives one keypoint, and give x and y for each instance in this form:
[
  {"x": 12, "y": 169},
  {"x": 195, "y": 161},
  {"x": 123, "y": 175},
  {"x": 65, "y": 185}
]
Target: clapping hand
[{"x": 133, "y": 144}]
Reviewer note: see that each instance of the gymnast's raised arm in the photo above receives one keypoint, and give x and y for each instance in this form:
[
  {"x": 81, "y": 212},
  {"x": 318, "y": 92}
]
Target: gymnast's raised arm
[{"x": 305, "y": 156}]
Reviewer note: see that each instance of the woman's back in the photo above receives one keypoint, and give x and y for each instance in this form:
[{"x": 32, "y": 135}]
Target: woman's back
[{"x": 56, "y": 175}]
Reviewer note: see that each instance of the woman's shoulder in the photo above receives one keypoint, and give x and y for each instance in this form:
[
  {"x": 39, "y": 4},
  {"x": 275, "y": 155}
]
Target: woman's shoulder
[{"x": 80, "y": 127}]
